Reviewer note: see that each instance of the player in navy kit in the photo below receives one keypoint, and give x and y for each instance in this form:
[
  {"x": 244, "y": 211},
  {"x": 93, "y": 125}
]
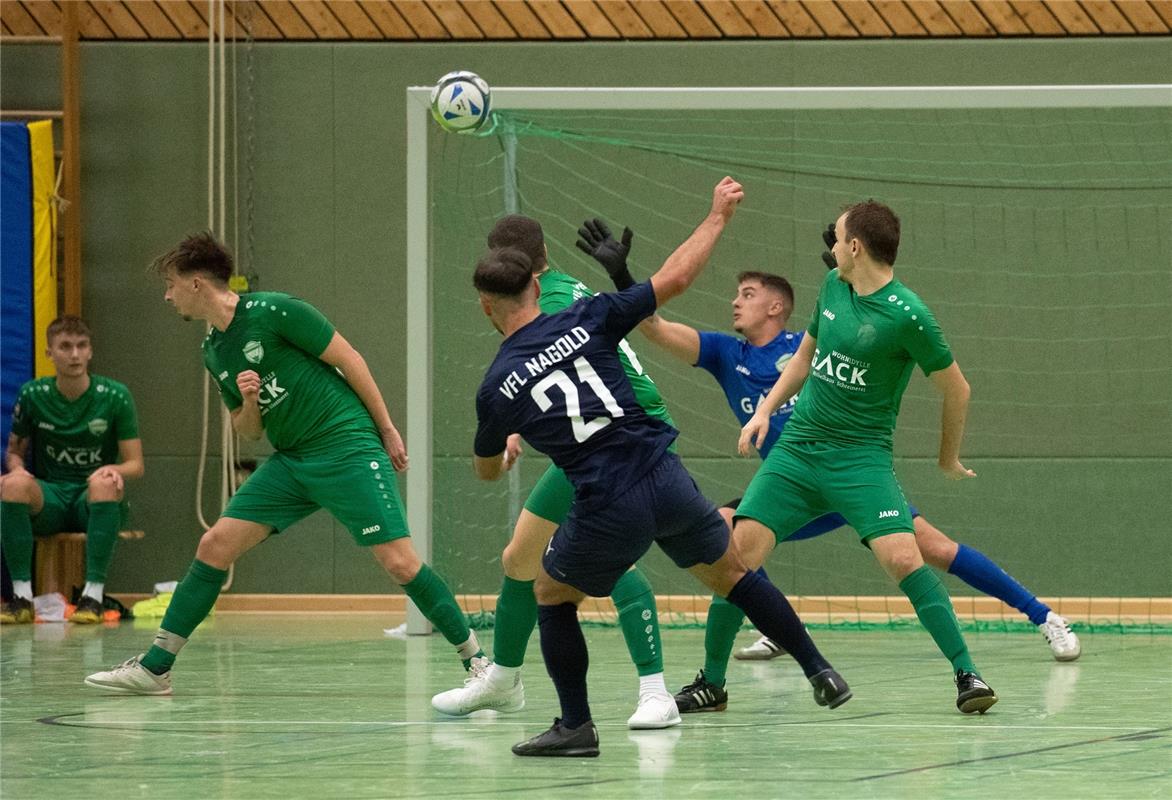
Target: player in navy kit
[
  {"x": 746, "y": 369},
  {"x": 558, "y": 382}
]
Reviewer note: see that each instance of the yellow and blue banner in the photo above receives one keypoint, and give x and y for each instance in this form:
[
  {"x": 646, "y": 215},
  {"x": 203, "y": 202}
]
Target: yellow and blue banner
[{"x": 28, "y": 257}]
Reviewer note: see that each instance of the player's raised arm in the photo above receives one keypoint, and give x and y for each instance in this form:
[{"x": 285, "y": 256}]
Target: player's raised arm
[
  {"x": 951, "y": 384},
  {"x": 788, "y": 383},
  {"x": 685, "y": 264},
  {"x": 682, "y": 341},
  {"x": 596, "y": 241}
]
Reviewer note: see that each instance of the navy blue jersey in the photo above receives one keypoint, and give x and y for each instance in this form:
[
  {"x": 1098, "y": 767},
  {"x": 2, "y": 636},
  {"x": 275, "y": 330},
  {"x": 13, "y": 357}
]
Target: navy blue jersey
[
  {"x": 746, "y": 374},
  {"x": 559, "y": 383}
]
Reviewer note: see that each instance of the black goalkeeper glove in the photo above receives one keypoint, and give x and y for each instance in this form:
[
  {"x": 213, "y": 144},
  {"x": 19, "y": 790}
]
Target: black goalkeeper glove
[
  {"x": 830, "y": 239},
  {"x": 596, "y": 241}
]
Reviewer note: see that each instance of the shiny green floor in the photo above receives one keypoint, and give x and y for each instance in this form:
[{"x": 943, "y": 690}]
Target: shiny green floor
[{"x": 327, "y": 706}]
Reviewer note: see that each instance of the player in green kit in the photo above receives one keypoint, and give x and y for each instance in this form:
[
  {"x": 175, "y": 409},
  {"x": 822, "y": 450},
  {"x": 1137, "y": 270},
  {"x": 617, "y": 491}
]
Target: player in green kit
[
  {"x": 284, "y": 371},
  {"x": 78, "y": 433},
  {"x": 866, "y": 335},
  {"x": 499, "y": 687}
]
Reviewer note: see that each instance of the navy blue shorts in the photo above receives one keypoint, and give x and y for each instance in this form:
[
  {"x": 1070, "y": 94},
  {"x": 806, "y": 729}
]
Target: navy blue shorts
[
  {"x": 817, "y": 526},
  {"x": 591, "y": 550}
]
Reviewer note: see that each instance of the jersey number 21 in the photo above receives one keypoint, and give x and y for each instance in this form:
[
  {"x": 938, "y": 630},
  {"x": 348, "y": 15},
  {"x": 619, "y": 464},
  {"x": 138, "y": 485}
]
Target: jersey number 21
[{"x": 583, "y": 430}]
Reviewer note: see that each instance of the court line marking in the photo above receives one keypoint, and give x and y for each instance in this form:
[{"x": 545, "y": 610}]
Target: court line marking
[
  {"x": 64, "y": 721},
  {"x": 1003, "y": 756}
]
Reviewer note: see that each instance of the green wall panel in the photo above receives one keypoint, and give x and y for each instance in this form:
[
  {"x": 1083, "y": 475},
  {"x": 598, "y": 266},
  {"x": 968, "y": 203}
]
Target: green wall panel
[{"x": 1074, "y": 497}]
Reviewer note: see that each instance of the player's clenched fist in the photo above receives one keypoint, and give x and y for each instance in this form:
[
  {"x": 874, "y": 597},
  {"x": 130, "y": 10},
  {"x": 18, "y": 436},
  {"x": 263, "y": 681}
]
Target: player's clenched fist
[
  {"x": 248, "y": 382},
  {"x": 725, "y": 197}
]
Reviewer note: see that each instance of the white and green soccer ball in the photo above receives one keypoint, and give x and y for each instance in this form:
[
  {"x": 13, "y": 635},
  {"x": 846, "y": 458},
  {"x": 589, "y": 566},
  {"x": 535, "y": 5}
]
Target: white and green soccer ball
[{"x": 460, "y": 101}]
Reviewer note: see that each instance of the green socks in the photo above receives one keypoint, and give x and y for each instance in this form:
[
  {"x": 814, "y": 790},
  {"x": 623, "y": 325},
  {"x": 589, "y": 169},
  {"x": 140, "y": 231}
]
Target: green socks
[
  {"x": 192, "y": 602},
  {"x": 639, "y": 619},
  {"x": 513, "y": 624},
  {"x": 433, "y": 597},
  {"x": 720, "y": 633},
  {"x": 16, "y": 538},
  {"x": 934, "y": 608},
  {"x": 100, "y": 535}
]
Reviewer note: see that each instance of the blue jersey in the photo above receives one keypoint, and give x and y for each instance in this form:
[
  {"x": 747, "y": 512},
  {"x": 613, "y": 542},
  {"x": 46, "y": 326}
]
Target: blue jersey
[
  {"x": 559, "y": 383},
  {"x": 746, "y": 373}
]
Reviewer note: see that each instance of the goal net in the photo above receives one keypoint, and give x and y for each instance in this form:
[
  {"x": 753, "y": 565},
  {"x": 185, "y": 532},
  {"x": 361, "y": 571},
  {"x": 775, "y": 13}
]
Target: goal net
[{"x": 1035, "y": 224}]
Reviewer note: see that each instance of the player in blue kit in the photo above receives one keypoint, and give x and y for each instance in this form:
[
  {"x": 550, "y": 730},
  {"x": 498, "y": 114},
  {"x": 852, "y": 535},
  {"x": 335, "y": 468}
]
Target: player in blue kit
[
  {"x": 746, "y": 369},
  {"x": 558, "y": 381}
]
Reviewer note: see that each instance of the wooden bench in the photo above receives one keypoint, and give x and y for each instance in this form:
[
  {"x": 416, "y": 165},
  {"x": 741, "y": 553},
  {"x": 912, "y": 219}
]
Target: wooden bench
[{"x": 60, "y": 561}]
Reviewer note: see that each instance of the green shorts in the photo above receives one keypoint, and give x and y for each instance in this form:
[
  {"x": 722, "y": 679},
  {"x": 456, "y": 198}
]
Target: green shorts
[
  {"x": 552, "y": 497},
  {"x": 800, "y": 481},
  {"x": 67, "y": 508},
  {"x": 553, "y": 494},
  {"x": 357, "y": 486}
]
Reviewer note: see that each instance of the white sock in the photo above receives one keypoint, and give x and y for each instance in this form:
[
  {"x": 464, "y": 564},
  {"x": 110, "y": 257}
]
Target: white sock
[
  {"x": 22, "y": 589},
  {"x": 503, "y": 677},
  {"x": 469, "y": 648},
  {"x": 652, "y": 684},
  {"x": 93, "y": 590}
]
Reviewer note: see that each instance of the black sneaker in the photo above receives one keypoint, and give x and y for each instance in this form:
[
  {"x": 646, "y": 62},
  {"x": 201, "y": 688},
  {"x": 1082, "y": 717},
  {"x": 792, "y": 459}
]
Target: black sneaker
[
  {"x": 88, "y": 612},
  {"x": 830, "y": 689},
  {"x": 17, "y": 611},
  {"x": 701, "y": 695},
  {"x": 580, "y": 742},
  {"x": 972, "y": 693}
]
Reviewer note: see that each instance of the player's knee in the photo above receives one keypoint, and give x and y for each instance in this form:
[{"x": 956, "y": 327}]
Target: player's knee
[
  {"x": 753, "y": 542},
  {"x": 551, "y": 593},
  {"x": 940, "y": 553},
  {"x": 399, "y": 559},
  {"x": 900, "y": 562},
  {"x": 213, "y": 549},
  {"x": 103, "y": 490},
  {"x": 18, "y": 487},
  {"x": 520, "y": 563},
  {"x": 936, "y": 548}
]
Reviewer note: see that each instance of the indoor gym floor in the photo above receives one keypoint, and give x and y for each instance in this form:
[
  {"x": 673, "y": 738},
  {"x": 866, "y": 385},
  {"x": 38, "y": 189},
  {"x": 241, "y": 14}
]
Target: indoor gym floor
[{"x": 327, "y": 706}]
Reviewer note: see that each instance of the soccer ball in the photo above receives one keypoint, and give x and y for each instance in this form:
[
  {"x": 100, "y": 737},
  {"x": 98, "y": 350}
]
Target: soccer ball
[{"x": 460, "y": 101}]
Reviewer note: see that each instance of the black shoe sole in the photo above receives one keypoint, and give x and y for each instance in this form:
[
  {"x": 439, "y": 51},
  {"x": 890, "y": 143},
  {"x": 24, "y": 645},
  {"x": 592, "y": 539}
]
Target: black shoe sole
[
  {"x": 977, "y": 705},
  {"x": 837, "y": 700},
  {"x": 572, "y": 752}
]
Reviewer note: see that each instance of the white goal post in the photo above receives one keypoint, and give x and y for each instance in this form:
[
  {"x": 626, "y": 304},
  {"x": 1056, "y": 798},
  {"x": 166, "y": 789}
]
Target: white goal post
[{"x": 419, "y": 275}]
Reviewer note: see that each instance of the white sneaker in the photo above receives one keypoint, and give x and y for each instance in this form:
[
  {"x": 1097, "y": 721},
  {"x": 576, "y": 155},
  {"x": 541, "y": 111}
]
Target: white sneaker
[
  {"x": 761, "y": 650},
  {"x": 655, "y": 711},
  {"x": 480, "y": 692},
  {"x": 1063, "y": 642},
  {"x": 131, "y": 677}
]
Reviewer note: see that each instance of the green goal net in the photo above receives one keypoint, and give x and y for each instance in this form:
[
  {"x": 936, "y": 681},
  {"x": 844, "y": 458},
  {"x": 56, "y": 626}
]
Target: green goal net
[{"x": 1039, "y": 236}]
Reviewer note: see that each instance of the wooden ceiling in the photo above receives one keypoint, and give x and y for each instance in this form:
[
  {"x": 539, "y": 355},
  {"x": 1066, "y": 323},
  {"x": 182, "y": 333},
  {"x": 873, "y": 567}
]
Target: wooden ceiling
[{"x": 575, "y": 20}]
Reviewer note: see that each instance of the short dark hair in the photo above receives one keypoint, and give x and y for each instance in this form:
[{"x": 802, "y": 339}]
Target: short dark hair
[
  {"x": 877, "y": 227},
  {"x": 520, "y": 232},
  {"x": 66, "y": 323},
  {"x": 504, "y": 272},
  {"x": 770, "y": 281},
  {"x": 199, "y": 252}
]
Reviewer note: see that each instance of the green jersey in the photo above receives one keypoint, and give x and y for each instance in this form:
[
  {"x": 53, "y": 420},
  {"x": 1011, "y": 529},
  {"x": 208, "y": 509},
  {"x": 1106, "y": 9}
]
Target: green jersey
[
  {"x": 867, "y": 347},
  {"x": 72, "y": 438},
  {"x": 559, "y": 291},
  {"x": 306, "y": 405}
]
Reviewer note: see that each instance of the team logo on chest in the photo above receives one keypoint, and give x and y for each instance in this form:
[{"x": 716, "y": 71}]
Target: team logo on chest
[
  {"x": 254, "y": 351},
  {"x": 782, "y": 360},
  {"x": 98, "y": 426}
]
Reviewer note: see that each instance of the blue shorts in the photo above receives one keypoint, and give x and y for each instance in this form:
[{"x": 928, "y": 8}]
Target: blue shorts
[
  {"x": 591, "y": 551},
  {"x": 818, "y": 526}
]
